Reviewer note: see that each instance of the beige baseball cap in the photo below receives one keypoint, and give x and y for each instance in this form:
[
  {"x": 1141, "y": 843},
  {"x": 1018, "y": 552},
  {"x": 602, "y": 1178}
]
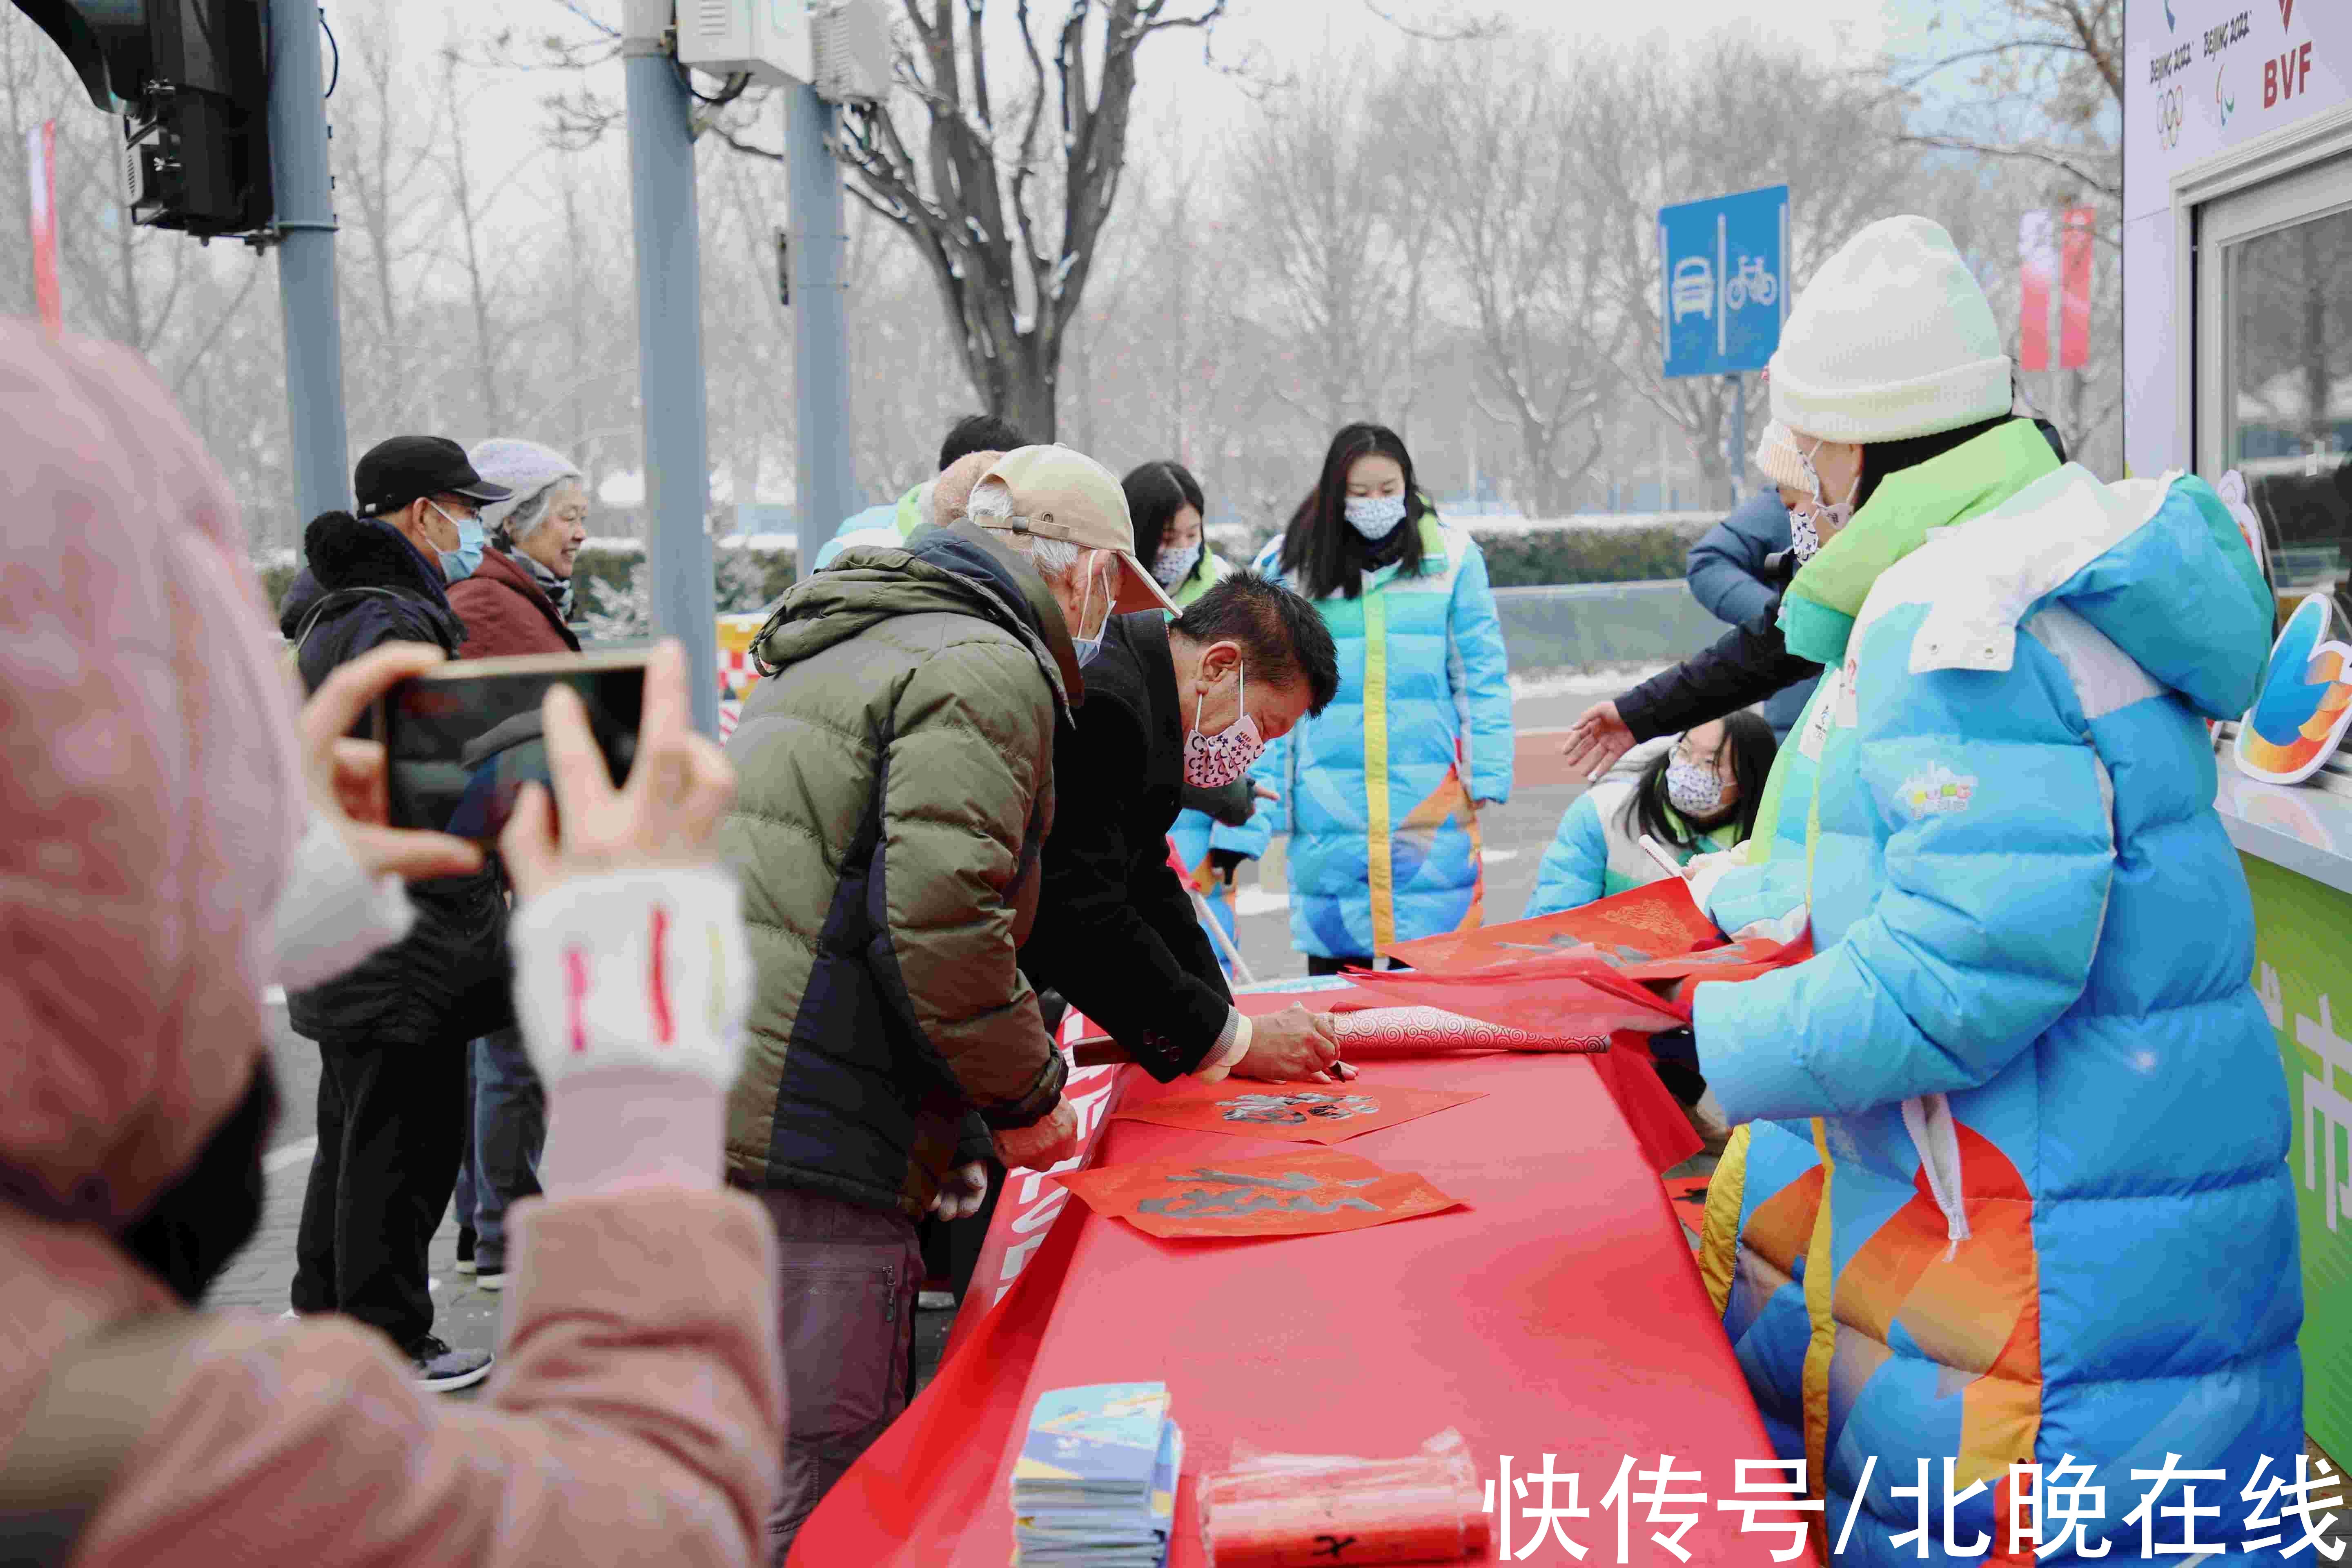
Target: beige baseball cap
[{"x": 1061, "y": 494}]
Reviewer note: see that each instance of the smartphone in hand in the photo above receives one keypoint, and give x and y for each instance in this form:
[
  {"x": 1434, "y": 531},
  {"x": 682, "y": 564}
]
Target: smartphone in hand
[{"x": 461, "y": 741}]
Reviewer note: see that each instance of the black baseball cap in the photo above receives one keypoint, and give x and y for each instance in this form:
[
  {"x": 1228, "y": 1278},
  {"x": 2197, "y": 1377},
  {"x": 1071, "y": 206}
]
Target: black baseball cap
[{"x": 397, "y": 472}]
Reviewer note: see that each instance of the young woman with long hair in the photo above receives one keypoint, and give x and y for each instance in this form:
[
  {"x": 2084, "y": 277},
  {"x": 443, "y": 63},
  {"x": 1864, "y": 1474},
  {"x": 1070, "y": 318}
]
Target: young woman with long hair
[
  {"x": 1698, "y": 796},
  {"x": 1379, "y": 795}
]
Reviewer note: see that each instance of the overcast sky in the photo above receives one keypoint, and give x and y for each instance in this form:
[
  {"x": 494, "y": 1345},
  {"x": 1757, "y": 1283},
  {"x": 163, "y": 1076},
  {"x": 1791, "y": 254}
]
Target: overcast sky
[{"x": 1291, "y": 34}]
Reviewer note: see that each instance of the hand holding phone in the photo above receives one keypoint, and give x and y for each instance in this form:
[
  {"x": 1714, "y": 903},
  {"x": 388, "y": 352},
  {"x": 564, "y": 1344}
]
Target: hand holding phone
[
  {"x": 346, "y": 778},
  {"x": 679, "y": 786}
]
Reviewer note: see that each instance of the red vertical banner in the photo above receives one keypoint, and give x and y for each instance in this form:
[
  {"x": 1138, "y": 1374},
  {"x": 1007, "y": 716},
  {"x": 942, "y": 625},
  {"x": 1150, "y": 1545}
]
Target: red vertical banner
[
  {"x": 41, "y": 168},
  {"x": 2074, "y": 290},
  {"x": 2037, "y": 264}
]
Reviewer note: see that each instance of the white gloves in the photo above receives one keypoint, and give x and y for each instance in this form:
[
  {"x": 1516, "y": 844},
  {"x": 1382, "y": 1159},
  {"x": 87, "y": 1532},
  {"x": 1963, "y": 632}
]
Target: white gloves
[
  {"x": 640, "y": 969},
  {"x": 632, "y": 990}
]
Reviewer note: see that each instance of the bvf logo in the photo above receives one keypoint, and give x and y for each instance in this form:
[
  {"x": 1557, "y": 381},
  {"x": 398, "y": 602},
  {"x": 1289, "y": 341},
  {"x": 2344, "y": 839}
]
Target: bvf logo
[{"x": 2286, "y": 76}]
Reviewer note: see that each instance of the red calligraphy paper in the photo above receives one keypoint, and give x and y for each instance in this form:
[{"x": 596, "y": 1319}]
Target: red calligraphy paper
[
  {"x": 1304, "y": 1112},
  {"x": 1656, "y": 921},
  {"x": 1562, "y": 1000},
  {"x": 1306, "y": 1192}
]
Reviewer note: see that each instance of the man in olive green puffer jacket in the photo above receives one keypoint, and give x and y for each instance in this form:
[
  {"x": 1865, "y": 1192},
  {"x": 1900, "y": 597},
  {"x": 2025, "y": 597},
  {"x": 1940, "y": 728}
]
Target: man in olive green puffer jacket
[{"x": 895, "y": 772}]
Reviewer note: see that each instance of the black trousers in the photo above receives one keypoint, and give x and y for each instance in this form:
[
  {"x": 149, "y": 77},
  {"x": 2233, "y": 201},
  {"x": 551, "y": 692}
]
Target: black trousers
[{"x": 393, "y": 1120}]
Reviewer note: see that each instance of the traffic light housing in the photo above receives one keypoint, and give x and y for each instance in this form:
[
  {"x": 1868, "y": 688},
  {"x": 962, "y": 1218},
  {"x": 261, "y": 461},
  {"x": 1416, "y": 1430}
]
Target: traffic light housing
[{"x": 191, "y": 80}]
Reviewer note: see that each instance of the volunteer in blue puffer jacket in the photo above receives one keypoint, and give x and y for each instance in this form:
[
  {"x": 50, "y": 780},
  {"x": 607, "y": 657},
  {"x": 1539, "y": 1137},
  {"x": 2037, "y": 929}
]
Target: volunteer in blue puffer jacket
[
  {"x": 1379, "y": 795},
  {"x": 1693, "y": 793},
  {"x": 2012, "y": 1188},
  {"x": 1166, "y": 506}
]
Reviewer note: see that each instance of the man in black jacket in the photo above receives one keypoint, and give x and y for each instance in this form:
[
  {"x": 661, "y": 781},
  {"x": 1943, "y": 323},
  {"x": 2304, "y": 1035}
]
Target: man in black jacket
[
  {"x": 1169, "y": 704},
  {"x": 1744, "y": 667},
  {"x": 393, "y": 1035}
]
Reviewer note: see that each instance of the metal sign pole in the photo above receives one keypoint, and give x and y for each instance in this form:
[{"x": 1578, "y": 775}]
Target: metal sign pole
[
  {"x": 302, "y": 194},
  {"x": 1739, "y": 433},
  {"x": 818, "y": 257},
  {"x": 669, "y": 350}
]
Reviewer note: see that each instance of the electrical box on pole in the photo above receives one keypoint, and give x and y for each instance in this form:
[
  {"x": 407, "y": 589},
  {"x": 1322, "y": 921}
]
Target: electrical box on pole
[
  {"x": 841, "y": 47},
  {"x": 768, "y": 40},
  {"x": 191, "y": 80}
]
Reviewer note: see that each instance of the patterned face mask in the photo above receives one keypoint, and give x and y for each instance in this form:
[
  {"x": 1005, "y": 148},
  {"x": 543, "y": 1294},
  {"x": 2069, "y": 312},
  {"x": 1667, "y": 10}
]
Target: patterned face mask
[
  {"x": 1171, "y": 565},
  {"x": 1806, "y": 523},
  {"x": 1695, "y": 789},
  {"x": 1375, "y": 517},
  {"x": 1213, "y": 762}
]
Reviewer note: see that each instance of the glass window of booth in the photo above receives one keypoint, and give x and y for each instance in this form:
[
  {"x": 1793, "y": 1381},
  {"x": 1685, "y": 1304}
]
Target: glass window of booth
[{"x": 2275, "y": 366}]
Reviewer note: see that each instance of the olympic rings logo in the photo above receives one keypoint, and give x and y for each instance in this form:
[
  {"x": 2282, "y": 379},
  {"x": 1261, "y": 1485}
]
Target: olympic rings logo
[{"x": 2172, "y": 109}]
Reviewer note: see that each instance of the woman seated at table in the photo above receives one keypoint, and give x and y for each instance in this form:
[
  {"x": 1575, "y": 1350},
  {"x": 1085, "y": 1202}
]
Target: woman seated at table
[{"x": 1694, "y": 797}]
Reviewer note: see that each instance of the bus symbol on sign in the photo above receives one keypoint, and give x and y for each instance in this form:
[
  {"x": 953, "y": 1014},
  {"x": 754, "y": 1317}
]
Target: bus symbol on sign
[{"x": 1693, "y": 288}]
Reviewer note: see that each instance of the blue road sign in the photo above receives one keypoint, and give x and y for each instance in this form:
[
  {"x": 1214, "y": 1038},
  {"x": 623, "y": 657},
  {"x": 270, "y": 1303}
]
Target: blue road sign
[{"x": 1723, "y": 266}]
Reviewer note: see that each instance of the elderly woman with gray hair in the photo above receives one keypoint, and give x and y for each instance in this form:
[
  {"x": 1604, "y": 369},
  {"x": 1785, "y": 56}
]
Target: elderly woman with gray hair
[
  {"x": 517, "y": 599},
  {"x": 514, "y": 602}
]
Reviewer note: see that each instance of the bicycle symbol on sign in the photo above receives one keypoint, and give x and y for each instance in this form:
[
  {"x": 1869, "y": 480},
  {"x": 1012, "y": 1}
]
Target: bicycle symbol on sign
[{"x": 1752, "y": 281}]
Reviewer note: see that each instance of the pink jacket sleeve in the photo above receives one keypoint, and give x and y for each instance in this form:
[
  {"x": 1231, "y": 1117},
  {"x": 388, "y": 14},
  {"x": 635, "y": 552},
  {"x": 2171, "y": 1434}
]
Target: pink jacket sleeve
[{"x": 634, "y": 1417}]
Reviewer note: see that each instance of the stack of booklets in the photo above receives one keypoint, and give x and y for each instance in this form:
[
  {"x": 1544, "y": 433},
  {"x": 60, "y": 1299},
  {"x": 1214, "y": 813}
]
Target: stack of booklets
[{"x": 1096, "y": 1482}]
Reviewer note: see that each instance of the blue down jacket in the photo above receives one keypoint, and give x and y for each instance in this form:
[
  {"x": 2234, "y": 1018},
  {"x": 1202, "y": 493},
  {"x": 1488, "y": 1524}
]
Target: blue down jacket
[
  {"x": 2015, "y": 1189},
  {"x": 1378, "y": 791}
]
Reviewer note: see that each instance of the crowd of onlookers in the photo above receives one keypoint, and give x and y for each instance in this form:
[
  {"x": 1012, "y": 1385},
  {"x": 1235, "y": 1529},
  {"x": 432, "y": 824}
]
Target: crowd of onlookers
[{"x": 749, "y": 1021}]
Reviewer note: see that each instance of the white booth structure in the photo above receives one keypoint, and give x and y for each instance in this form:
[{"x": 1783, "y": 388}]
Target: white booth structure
[{"x": 2238, "y": 355}]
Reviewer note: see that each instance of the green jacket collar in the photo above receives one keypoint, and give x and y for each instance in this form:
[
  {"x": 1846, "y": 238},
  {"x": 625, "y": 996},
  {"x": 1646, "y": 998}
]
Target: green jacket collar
[{"x": 1817, "y": 615}]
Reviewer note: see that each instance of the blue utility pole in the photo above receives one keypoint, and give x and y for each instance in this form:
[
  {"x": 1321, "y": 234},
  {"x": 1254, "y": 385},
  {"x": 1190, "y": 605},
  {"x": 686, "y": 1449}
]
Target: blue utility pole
[
  {"x": 301, "y": 190},
  {"x": 669, "y": 349},
  {"x": 818, "y": 250}
]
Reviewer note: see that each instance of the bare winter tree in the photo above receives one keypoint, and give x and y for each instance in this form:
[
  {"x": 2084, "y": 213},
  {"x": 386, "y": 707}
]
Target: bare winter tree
[
  {"x": 1343, "y": 251},
  {"x": 383, "y": 177},
  {"x": 1494, "y": 165},
  {"x": 1007, "y": 199},
  {"x": 2030, "y": 93},
  {"x": 469, "y": 204}
]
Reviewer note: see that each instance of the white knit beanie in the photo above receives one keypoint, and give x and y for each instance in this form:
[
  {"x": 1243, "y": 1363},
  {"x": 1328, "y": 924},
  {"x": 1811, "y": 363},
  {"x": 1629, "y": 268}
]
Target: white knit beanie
[
  {"x": 526, "y": 468},
  {"x": 1892, "y": 339}
]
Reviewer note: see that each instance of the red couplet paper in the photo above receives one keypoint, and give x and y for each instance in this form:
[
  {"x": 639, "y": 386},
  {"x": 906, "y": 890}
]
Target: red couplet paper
[
  {"x": 1306, "y": 1193},
  {"x": 1533, "y": 1325},
  {"x": 1303, "y": 1113},
  {"x": 1656, "y": 921},
  {"x": 1383, "y": 1031},
  {"x": 1571, "y": 1000},
  {"x": 1296, "y": 1511}
]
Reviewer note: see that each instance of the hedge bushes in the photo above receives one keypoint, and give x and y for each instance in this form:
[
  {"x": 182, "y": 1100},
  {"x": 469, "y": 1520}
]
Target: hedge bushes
[
  {"x": 1538, "y": 558},
  {"x": 1605, "y": 552}
]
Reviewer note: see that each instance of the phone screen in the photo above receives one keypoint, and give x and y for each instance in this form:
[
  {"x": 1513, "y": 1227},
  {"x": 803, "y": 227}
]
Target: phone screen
[{"x": 461, "y": 741}]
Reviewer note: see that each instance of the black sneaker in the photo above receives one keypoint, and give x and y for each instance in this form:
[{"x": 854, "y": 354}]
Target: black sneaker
[
  {"x": 440, "y": 1369},
  {"x": 464, "y": 1249},
  {"x": 490, "y": 1272}
]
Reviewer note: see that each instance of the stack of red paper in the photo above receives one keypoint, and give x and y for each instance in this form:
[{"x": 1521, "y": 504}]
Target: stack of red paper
[{"x": 1293, "y": 1511}]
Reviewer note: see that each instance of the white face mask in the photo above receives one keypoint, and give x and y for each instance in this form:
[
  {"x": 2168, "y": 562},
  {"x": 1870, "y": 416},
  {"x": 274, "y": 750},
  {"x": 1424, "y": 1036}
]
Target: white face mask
[
  {"x": 1089, "y": 649},
  {"x": 1213, "y": 762},
  {"x": 1375, "y": 517},
  {"x": 1172, "y": 566}
]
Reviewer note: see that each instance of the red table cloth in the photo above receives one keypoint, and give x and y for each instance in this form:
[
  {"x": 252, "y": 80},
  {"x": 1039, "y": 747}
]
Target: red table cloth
[{"x": 1560, "y": 1312}]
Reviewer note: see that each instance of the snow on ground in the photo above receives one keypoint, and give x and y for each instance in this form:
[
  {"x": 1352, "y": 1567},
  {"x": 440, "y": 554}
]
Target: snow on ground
[{"x": 1601, "y": 681}]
